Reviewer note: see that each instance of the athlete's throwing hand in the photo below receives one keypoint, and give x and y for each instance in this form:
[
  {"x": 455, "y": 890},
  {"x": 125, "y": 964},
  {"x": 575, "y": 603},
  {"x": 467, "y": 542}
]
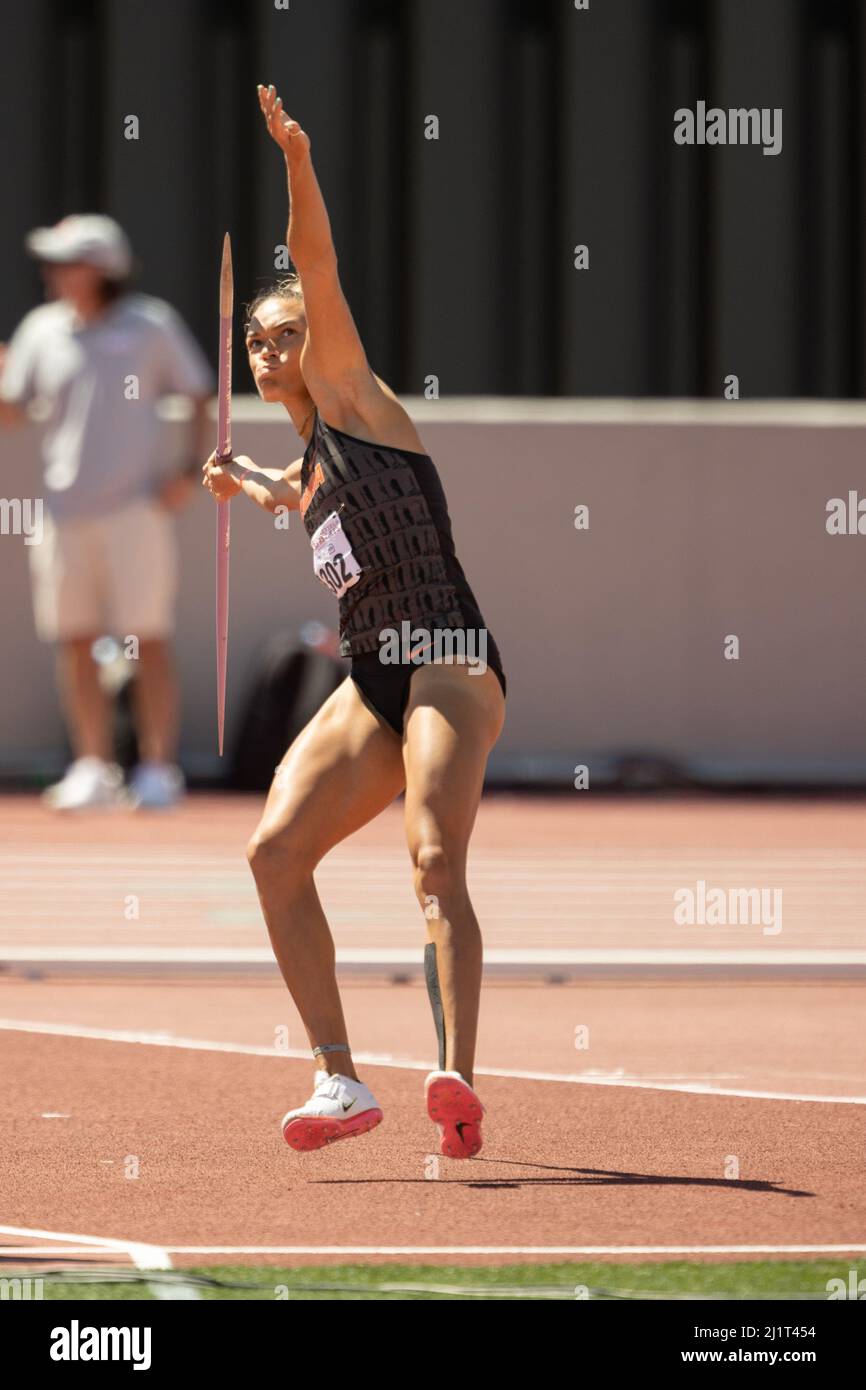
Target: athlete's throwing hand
[
  {"x": 294, "y": 142},
  {"x": 218, "y": 480}
]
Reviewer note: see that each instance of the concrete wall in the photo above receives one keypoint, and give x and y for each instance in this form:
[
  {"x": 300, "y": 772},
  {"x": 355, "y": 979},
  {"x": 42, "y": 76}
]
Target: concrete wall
[{"x": 705, "y": 520}]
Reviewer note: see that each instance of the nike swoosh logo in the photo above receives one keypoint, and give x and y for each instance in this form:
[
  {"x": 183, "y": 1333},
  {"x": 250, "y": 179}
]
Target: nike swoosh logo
[
  {"x": 419, "y": 650},
  {"x": 349, "y": 1106},
  {"x": 461, "y": 1125}
]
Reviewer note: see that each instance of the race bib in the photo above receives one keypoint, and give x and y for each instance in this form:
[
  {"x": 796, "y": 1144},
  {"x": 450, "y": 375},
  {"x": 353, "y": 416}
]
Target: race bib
[{"x": 333, "y": 560}]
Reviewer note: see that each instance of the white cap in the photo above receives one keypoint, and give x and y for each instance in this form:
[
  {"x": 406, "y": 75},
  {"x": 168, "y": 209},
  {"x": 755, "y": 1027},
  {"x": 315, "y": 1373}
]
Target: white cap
[{"x": 91, "y": 238}]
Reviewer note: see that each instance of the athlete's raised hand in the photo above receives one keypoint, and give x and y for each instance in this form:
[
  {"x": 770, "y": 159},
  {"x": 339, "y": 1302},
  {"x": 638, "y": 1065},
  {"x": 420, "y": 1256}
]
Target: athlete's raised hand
[{"x": 294, "y": 142}]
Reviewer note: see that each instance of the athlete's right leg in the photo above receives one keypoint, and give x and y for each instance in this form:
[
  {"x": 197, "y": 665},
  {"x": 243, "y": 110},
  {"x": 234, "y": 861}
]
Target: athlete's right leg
[{"x": 341, "y": 771}]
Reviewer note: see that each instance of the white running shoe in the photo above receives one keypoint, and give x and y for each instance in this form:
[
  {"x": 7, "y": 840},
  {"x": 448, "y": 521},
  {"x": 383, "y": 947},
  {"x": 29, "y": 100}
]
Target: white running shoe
[
  {"x": 89, "y": 782},
  {"x": 154, "y": 786},
  {"x": 338, "y": 1109}
]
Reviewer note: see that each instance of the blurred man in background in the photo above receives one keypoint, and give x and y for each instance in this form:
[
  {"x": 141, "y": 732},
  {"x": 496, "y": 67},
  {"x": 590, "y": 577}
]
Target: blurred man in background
[{"x": 101, "y": 357}]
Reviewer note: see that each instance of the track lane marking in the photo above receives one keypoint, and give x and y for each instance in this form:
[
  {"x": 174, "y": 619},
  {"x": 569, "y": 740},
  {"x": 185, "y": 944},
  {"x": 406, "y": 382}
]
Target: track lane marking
[
  {"x": 156, "y": 1039},
  {"x": 143, "y": 1256},
  {"x": 157, "y": 1255}
]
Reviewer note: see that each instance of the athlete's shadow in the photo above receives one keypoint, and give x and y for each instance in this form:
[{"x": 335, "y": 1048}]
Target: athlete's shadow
[
  {"x": 604, "y": 1177},
  {"x": 588, "y": 1177}
]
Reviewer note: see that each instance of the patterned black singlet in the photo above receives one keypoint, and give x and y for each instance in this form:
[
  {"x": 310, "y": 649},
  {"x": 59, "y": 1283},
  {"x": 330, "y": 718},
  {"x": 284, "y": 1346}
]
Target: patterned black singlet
[{"x": 385, "y": 547}]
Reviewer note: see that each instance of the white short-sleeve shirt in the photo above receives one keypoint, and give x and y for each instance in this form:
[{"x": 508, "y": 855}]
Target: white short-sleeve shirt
[{"x": 101, "y": 382}]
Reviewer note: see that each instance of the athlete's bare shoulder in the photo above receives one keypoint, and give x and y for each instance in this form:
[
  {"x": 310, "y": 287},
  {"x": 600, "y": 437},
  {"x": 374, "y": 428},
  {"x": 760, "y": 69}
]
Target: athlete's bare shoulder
[{"x": 374, "y": 413}]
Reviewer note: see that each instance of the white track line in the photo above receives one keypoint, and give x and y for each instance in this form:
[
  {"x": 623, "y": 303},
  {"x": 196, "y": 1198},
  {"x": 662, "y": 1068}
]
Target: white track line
[
  {"x": 398, "y": 957},
  {"x": 51, "y": 1250},
  {"x": 142, "y": 1256},
  {"x": 696, "y": 1088}
]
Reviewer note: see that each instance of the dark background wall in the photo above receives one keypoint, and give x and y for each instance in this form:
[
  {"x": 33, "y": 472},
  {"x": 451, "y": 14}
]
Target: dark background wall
[{"x": 556, "y": 128}]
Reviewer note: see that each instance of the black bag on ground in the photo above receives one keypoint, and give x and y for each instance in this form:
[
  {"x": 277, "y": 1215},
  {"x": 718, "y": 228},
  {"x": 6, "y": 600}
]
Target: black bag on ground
[{"x": 294, "y": 680}]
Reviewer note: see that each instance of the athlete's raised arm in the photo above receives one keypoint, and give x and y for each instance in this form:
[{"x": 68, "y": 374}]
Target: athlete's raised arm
[
  {"x": 333, "y": 361},
  {"x": 333, "y": 353}
]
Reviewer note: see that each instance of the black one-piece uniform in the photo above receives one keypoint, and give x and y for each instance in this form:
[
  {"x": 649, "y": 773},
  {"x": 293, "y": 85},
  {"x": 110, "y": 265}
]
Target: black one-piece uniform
[{"x": 378, "y": 521}]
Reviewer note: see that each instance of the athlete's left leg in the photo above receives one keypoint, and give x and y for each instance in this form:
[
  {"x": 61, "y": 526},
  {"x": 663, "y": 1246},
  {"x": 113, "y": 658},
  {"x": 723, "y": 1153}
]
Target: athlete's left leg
[{"x": 453, "y": 718}]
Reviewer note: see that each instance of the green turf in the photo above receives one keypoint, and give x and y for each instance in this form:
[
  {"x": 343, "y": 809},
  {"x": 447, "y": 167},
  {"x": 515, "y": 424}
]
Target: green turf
[{"x": 753, "y": 1279}]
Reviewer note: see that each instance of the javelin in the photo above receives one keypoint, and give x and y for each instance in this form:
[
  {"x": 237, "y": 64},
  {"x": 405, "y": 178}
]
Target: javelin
[{"x": 223, "y": 450}]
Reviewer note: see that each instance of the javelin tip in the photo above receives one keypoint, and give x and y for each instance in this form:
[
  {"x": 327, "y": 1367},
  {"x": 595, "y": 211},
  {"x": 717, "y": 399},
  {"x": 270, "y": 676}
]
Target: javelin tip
[{"x": 227, "y": 286}]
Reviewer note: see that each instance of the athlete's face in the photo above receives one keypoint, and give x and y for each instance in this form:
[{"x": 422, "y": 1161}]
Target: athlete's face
[{"x": 274, "y": 338}]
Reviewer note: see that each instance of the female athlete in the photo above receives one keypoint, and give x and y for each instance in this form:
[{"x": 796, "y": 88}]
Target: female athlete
[{"x": 421, "y": 720}]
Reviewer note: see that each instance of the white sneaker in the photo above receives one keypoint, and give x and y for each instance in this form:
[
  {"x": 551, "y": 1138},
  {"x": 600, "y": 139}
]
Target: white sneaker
[
  {"x": 89, "y": 782},
  {"x": 338, "y": 1109},
  {"x": 155, "y": 785}
]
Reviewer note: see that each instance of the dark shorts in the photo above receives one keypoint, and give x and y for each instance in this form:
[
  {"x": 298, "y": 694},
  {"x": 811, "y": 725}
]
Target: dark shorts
[{"x": 385, "y": 688}]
